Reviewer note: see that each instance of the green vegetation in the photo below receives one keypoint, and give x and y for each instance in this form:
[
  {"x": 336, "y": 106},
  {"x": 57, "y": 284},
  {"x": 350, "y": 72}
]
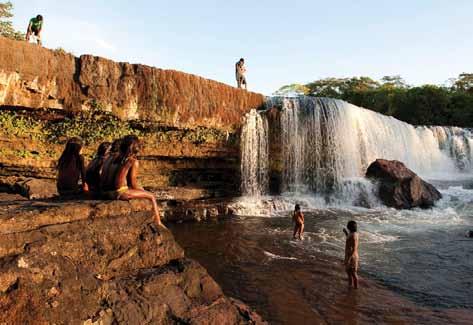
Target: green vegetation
[
  {"x": 96, "y": 125},
  {"x": 424, "y": 105},
  {"x": 92, "y": 126},
  {"x": 6, "y": 26}
]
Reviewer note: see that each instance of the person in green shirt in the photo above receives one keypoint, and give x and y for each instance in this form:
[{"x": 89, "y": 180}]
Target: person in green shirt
[{"x": 34, "y": 28}]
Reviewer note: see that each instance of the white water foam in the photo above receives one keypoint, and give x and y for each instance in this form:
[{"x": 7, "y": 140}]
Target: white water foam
[{"x": 327, "y": 144}]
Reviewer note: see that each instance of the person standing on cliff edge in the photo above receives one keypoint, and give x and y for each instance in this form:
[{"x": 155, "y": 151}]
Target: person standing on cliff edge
[
  {"x": 240, "y": 71},
  {"x": 34, "y": 28}
]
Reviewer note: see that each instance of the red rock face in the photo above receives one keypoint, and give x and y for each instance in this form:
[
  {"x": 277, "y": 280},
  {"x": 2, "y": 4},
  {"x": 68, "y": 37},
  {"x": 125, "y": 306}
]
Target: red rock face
[
  {"x": 34, "y": 77},
  {"x": 400, "y": 187}
]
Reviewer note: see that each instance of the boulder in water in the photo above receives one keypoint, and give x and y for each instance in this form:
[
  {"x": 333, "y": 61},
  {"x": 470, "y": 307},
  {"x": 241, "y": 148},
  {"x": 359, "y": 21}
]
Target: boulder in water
[{"x": 400, "y": 187}]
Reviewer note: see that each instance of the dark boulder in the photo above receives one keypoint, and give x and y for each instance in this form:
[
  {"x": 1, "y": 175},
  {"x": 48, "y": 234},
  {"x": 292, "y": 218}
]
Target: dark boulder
[{"x": 400, "y": 187}]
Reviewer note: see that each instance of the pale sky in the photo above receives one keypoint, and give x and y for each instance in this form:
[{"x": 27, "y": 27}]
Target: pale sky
[{"x": 425, "y": 41}]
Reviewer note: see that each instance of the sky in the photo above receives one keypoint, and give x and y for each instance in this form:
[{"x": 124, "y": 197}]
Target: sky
[{"x": 283, "y": 42}]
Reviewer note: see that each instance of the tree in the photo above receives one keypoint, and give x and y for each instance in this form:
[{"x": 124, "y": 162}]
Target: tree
[
  {"x": 6, "y": 26},
  {"x": 464, "y": 82},
  {"x": 292, "y": 89},
  {"x": 393, "y": 82},
  {"x": 424, "y": 105}
]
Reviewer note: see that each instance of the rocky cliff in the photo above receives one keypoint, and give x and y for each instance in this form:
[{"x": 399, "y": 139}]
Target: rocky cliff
[
  {"x": 189, "y": 125},
  {"x": 93, "y": 262},
  {"x": 36, "y": 77}
]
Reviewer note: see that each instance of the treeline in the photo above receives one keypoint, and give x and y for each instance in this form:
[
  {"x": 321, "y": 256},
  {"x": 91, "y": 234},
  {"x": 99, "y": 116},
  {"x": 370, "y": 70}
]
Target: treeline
[{"x": 450, "y": 104}]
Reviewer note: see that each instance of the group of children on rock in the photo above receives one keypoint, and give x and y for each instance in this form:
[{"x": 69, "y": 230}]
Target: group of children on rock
[{"x": 112, "y": 175}]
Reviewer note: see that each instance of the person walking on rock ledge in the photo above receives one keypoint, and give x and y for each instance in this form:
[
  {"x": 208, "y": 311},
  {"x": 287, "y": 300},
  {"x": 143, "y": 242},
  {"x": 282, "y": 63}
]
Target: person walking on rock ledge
[
  {"x": 240, "y": 71},
  {"x": 34, "y": 28}
]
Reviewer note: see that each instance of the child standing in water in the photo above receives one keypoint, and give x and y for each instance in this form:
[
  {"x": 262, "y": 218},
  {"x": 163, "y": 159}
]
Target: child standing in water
[
  {"x": 298, "y": 218},
  {"x": 351, "y": 254}
]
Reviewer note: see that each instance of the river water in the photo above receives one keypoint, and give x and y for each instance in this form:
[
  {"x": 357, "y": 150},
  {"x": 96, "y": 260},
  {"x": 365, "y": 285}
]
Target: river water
[{"x": 416, "y": 265}]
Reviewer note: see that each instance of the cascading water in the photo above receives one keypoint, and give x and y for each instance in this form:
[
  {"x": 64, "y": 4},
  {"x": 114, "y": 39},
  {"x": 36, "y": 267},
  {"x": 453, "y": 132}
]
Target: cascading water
[
  {"x": 254, "y": 154},
  {"x": 327, "y": 144},
  {"x": 316, "y": 151}
]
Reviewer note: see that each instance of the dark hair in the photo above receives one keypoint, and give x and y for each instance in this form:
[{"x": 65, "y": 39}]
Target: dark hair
[
  {"x": 103, "y": 149},
  {"x": 352, "y": 226},
  {"x": 39, "y": 17},
  {"x": 115, "y": 148},
  {"x": 71, "y": 152},
  {"x": 297, "y": 207},
  {"x": 129, "y": 147},
  {"x": 242, "y": 60}
]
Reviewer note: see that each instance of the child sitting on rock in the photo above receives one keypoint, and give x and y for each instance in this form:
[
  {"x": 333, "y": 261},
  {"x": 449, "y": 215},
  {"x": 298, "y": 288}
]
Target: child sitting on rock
[
  {"x": 94, "y": 169},
  {"x": 119, "y": 176},
  {"x": 71, "y": 168}
]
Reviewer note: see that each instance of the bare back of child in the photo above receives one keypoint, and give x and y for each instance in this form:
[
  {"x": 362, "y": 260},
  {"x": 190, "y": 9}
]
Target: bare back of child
[
  {"x": 71, "y": 168},
  {"x": 119, "y": 176},
  {"x": 95, "y": 167}
]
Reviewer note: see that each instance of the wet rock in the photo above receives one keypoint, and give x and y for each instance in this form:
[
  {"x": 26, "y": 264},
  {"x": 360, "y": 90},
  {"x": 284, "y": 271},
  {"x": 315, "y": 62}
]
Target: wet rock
[
  {"x": 102, "y": 263},
  {"x": 400, "y": 187}
]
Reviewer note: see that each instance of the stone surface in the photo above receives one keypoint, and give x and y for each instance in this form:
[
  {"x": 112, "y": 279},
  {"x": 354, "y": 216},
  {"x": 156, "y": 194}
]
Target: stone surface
[
  {"x": 400, "y": 187},
  {"x": 33, "y": 188},
  {"x": 35, "y": 77},
  {"x": 101, "y": 263}
]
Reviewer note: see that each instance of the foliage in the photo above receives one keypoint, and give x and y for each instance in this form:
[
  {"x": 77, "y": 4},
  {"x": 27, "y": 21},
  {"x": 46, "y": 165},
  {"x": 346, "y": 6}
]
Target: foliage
[
  {"x": 62, "y": 51},
  {"x": 292, "y": 89},
  {"x": 6, "y": 26},
  {"x": 97, "y": 125},
  {"x": 426, "y": 105},
  {"x": 464, "y": 82},
  {"x": 93, "y": 126},
  {"x": 12, "y": 123}
]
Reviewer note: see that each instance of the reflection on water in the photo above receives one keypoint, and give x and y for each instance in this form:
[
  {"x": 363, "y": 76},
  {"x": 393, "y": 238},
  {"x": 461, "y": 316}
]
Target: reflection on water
[{"x": 416, "y": 265}]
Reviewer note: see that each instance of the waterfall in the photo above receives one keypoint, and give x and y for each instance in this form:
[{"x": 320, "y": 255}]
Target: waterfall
[
  {"x": 254, "y": 154},
  {"x": 327, "y": 144}
]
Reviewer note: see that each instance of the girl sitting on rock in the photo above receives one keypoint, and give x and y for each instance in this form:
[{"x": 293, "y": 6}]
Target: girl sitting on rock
[
  {"x": 94, "y": 169},
  {"x": 119, "y": 176},
  {"x": 71, "y": 168}
]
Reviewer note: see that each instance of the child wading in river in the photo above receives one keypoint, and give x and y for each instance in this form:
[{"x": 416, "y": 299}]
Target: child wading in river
[
  {"x": 351, "y": 254},
  {"x": 298, "y": 218}
]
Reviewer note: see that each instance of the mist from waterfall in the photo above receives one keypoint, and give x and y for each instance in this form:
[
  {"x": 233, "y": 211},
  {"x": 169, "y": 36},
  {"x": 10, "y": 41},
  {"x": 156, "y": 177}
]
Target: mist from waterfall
[{"x": 327, "y": 144}]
